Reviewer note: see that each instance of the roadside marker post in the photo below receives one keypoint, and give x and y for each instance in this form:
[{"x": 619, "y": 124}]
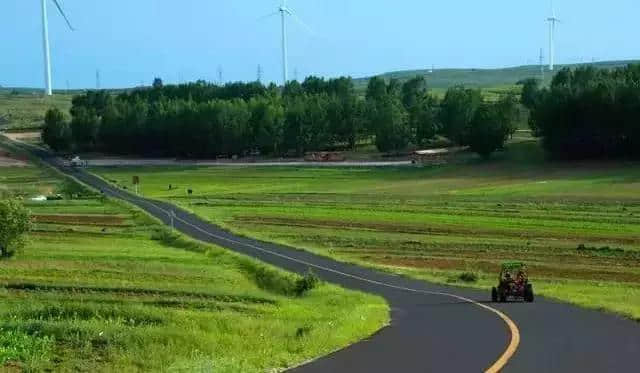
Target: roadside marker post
[{"x": 136, "y": 182}]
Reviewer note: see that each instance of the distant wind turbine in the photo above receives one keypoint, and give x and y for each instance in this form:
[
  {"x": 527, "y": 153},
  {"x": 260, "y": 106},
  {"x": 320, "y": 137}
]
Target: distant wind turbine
[
  {"x": 553, "y": 20},
  {"x": 284, "y": 11}
]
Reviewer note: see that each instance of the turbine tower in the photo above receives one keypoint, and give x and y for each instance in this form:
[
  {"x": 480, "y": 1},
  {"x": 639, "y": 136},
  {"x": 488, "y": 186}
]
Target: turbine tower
[
  {"x": 285, "y": 56},
  {"x": 553, "y": 20},
  {"x": 285, "y": 12},
  {"x": 45, "y": 41}
]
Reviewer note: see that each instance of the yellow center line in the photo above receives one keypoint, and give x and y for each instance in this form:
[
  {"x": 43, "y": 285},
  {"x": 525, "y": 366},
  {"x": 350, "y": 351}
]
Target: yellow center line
[{"x": 494, "y": 368}]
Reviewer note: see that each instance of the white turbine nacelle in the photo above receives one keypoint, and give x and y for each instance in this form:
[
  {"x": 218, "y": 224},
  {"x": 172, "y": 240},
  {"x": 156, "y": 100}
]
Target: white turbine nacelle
[
  {"x": 284, "y": 12},
  {"x": 45, "y": 41}
]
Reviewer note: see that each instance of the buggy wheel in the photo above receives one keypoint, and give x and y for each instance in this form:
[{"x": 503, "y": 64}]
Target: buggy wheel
[
  {"x": 503, "y": 296},
  {"x": 494, "y": 295},
  {"x": 528, "y": 293}
]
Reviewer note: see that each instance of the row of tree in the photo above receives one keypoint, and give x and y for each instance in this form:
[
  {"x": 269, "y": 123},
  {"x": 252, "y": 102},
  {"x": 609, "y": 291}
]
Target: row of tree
[
  {"x": 205, "y": 120},
  {"x": 587, "y": 112}
]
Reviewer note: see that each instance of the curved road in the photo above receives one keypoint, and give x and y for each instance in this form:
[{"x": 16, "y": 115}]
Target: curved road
[{"x": 432, "y": 332}]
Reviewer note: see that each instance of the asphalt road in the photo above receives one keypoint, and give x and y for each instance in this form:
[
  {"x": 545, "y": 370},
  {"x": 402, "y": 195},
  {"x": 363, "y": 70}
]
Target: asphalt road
[{"x": 431, "y": 332}]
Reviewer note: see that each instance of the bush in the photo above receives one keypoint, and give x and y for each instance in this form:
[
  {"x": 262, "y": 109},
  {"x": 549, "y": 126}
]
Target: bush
[
  {"x": 15, "y": 223},
  {"x": 72, "y": 189},
  {"x": 468, "y": 277},
  {"x": 307, "y": 283},
  {"x": 269, "y": 279}
]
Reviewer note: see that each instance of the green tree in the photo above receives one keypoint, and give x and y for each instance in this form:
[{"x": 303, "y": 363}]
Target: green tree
[
  {"x": 391, "y": 125},
  {"x": 423, "y": 118},
  {"x": 413, "y": 90},
  {"x": 15, "y": 223},
  {"x": 56, "y": 132},
  {"x": 85, "y": 127},
  {"x": 157, "y": 83},
  {"x": 376, "y": 88},
  {"x": 530, "y": 92},
  {"x": 457, "y": 111},
  {"x": 491, "y": 126},
  {"x": 266, "y": 124}
]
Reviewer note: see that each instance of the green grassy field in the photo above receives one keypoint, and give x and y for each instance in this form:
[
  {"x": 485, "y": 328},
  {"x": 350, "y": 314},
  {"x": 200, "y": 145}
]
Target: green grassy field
[
  {"x": 439, "y": 222},
  {"x": 102, "y": 287},
  {"x": 26, "y": 111}
]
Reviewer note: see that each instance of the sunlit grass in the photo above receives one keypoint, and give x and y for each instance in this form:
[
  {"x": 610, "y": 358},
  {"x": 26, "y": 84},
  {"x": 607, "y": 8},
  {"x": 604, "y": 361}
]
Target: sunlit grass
[
  {"x": 447, "y": 219},
  {"x": 102, "y": 287}
]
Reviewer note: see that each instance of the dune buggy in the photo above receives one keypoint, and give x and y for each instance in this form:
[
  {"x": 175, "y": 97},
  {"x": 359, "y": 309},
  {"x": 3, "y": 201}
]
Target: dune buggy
[{"x": 513, "y": 283}]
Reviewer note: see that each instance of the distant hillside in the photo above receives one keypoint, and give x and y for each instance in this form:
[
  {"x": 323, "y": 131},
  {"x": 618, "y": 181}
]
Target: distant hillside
[{"x": 483, "y": 78}]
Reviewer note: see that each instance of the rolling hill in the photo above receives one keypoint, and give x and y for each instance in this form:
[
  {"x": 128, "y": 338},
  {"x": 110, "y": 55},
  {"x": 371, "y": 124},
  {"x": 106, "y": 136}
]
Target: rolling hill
[{"x": 482, "y": 78}]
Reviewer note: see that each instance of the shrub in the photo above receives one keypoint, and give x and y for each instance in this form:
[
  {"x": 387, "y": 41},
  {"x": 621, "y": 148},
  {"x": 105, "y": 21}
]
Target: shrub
[
  {"x": 15, "y": 223},
  {"x": 306, "y": 283},
  {"x": 468, "y": 277}
]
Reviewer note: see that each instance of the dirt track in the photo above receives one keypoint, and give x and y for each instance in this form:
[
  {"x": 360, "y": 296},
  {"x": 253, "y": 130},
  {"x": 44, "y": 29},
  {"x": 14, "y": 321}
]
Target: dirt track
[{"x": 123, "y": 162}]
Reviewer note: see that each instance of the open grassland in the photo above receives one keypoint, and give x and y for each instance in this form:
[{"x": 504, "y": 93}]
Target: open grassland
[
  {"x": 26, "y": 111},
  {"x": 577, "y": 225},
  {"x": 441, "y": 79},
  {"x": 102, "y": 287}
]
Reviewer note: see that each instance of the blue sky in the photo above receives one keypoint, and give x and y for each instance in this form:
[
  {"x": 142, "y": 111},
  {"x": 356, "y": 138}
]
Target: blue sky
[{"x": 131, "y": 41}]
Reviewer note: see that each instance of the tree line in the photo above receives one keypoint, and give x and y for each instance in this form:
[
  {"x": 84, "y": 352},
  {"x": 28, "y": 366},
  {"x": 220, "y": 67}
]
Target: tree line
[
  {"x": 200, "y": 120},
  {"x": 587, "y": 112}
]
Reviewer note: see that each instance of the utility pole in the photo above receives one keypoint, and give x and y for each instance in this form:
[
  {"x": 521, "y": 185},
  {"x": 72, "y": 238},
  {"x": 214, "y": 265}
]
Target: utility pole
[
  {"x": 259, "y": 73},
  {"x": 220, "y": 75},
  {"x": 98, "y": 80}
]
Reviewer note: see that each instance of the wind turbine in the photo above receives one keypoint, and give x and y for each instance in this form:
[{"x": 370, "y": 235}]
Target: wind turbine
[
  {"x": 45, "y": 41},
  {"x": 553, "y": 20},
  {"x": 285, "y": 11}
]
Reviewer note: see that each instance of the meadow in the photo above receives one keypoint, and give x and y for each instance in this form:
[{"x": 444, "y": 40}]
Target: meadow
[
  {"x": 101, "y": 286},
  {"x": 576, "y": 225},
  {"x": 443, "y": 78},
  {"x": 25, "y": 111}
]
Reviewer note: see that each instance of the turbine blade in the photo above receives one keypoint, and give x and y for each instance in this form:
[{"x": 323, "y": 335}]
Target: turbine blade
[
  {"x": 63, "y": 14},
  {"x": 268, "y": 16},
  {"x": 301, "y": 23}
]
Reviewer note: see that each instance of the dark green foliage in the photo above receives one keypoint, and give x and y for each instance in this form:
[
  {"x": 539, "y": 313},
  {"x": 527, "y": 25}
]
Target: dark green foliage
[
  {"x": 157, "y": 83},
  {"x": 56, "y": 132},
  {"x": 15, "y": 223},
  {"x": 72, "y": 189},
  {"x": 201, "y": 120},
  {"x": 491, "y": 126},
  {"x": 530, "y": 91},
  {"x": 590, "y": 113},
  {"x": 391, "y": 124},
  {"x": 85, "y": 127},
  {"x": 306, "y": 283},
  {"x": 468, "y": 277},
  {"x": 376, "y": 89},
  {"x": 457, "y": 112}
]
